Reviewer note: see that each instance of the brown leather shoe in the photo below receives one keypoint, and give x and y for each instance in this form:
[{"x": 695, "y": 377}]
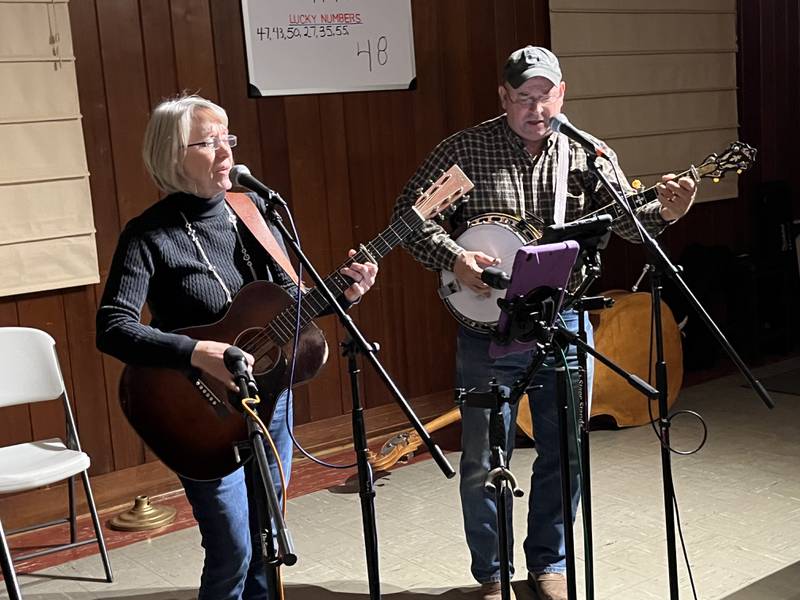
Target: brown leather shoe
[
  {"x": 549, "y": 586},
  {"x": 492, "y": 591}
]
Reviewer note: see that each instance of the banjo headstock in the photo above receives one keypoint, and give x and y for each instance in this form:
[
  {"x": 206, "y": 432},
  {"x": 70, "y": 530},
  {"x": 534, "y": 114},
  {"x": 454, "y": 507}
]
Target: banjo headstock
[{"x": 737, "y": 157}]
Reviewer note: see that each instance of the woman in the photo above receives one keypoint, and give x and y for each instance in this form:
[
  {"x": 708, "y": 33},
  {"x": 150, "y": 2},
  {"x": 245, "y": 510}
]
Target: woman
[{"x": 186, "y": 257}]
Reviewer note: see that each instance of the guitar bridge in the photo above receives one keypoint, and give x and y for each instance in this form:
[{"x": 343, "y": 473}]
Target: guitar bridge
[{"x": 216, "y": 403}]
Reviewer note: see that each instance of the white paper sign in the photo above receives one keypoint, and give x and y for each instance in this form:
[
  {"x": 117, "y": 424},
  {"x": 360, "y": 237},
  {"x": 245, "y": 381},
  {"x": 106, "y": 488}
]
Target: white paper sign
[{"x": 320, "y": 46}]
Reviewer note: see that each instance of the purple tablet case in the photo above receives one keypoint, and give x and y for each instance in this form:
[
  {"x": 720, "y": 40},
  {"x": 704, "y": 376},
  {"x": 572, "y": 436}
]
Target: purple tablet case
[{"x": 535, "y": 266}]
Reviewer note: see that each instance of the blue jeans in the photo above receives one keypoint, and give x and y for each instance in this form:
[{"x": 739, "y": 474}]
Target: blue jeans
[
  {"x": 226, "y": 513},
  {"x": 544, "y": 545}
]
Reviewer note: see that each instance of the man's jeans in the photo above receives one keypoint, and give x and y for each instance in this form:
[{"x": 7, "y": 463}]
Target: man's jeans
[
  {"x": 544, "y": 545},
  {"x": 226, "y": 512}
]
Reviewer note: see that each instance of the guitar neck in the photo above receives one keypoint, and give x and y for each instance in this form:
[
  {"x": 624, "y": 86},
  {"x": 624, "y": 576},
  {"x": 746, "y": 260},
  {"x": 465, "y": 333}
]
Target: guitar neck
[
  {"x": 648, "y": 195},
  {"x": 282, "y": 328}
]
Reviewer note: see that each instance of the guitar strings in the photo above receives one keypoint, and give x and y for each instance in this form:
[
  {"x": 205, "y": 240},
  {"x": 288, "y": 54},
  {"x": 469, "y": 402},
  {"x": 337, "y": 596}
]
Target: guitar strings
[{"x": 281, "y": 329}]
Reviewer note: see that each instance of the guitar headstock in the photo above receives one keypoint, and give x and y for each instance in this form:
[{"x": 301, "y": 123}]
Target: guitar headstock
[
  {"x": 738, "y": 157},
  {"x": 443, "y": 193}
]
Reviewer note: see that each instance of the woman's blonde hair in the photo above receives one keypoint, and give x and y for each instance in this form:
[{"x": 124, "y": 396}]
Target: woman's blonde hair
[{"x": 167, "y": 136}]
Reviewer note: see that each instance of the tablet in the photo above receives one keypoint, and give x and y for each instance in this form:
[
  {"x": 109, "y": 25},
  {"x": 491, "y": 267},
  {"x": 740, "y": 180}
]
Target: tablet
[{"x": 536, "y": 268}]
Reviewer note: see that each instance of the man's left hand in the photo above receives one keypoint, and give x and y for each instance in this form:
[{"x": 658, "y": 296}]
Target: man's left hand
[
  {"x": 363, "y": 276},
  {"x": 675, "y": 195}
]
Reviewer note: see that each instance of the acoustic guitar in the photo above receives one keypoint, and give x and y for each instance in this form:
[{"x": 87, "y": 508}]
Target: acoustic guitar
[{"x": 189, "y": 420}]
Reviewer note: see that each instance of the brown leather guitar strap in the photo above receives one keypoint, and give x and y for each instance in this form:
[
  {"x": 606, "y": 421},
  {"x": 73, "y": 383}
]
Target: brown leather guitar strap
[{"x": 247, "y": 212}]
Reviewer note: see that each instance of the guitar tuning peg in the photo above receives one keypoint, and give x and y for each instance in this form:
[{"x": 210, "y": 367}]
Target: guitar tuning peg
[
  {"x": 636, "y": 184},
  {"x": 465, "y": 198},
  {"x": 419, "y": 191},
  {"x": 738, "y": 171},
  {"x": 715, "y": 180}
]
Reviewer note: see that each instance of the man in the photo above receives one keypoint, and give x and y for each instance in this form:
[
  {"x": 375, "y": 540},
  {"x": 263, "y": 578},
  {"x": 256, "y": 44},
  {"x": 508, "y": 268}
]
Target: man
[{"x": 513, "y": 159}]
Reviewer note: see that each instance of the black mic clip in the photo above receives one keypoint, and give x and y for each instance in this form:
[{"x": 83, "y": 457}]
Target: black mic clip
[{"x": 495, "y": 278}]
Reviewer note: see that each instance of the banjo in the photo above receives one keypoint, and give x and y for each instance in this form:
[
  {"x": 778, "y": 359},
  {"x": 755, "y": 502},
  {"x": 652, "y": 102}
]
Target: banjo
[{"x": 501, "y": 235}]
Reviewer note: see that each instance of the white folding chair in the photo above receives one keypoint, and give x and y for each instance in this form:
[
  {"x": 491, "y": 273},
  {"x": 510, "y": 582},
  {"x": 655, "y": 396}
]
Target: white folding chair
[{"x": 29, "y": 372}]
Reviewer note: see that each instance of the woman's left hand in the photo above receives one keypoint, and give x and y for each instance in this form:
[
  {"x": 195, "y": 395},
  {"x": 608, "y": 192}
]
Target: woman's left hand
[{"x": 363, "y": 276}]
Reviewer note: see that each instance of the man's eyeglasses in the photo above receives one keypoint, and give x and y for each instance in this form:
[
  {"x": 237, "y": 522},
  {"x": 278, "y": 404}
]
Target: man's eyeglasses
[
  {"x": 530, "y": 101},
  {"x": 215, "y": 142}
]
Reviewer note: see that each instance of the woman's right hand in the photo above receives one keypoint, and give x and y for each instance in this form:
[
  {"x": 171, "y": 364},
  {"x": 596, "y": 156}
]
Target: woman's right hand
[{"x": 208, "y": 357}]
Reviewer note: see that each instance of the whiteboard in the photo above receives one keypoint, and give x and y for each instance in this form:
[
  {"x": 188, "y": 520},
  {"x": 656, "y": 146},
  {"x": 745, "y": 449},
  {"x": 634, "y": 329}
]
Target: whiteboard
[{"x": 321, "y": 46}]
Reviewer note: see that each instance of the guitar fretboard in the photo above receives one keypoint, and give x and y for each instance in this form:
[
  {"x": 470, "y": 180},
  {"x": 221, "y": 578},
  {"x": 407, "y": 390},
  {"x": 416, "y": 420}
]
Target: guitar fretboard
[{"x": 282, "y": 327}]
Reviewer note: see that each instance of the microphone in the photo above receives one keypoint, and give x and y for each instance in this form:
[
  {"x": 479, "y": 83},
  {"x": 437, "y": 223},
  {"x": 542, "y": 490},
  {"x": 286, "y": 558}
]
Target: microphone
[
  {"x": 560, "y": 124},
  {"x": 495, "y": 278},
  {"x": 240, "y": 175},
  {"x": 236, "y": 363}
]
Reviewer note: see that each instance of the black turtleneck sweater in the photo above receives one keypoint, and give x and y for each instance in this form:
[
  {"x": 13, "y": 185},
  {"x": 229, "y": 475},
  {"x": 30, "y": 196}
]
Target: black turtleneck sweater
[{"x": 157, "y": 263}]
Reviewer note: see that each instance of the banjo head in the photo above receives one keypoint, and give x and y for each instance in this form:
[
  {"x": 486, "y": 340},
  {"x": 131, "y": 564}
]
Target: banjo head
[{"x": 495, "y": 235}]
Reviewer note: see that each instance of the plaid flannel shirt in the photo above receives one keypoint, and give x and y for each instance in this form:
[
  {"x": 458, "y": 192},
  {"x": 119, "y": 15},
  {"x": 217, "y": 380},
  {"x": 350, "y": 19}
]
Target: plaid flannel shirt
[{"x": 507, "y": 178}]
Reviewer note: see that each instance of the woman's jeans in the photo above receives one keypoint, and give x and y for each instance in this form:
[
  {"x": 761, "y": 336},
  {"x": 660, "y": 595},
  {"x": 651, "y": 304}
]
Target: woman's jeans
[
  {"x": 544, "y": 545},
  {"x": 225, "y": 511}
]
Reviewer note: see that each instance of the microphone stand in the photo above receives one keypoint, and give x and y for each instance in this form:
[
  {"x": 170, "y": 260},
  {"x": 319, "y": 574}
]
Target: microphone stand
[
  {"x": 268, "y": 507},
  {"x": 357, "y": 344},
  {"x": 663, "y": 266},
  {"x": 553, "y": 340}
]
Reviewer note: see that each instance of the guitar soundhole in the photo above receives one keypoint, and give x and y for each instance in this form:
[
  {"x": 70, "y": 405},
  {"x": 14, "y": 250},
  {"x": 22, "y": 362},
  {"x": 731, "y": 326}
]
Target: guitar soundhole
[{"x": 256, "y": 342}]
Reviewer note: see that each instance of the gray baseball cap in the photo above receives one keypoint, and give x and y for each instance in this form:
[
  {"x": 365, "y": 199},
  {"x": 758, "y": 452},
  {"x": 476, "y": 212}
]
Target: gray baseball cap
[{"x": 531, "y": 61}]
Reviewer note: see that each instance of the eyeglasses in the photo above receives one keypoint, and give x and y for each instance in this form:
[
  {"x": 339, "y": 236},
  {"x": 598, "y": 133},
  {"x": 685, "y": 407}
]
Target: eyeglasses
[
  {"x": 530, "y": 101},
  {"x": 214, "y": 143}
]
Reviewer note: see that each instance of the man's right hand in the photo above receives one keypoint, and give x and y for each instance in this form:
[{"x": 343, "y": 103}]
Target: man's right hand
[
  {"x": 468, "y": 268},
  {"x": 208, "y": 357}
]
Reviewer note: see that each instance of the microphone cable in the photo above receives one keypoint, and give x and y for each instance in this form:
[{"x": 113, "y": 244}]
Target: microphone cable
[{"x": 293, "y": 363}]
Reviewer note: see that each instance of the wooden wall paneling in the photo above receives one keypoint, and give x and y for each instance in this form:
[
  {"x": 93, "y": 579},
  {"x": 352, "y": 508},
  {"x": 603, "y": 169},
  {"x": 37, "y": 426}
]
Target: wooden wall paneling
[
  {"x": 128, "y": 101},
  {"x": 770, "y": 89},
  {"x": 404, "y": 320},
  {"x": 335, "y": 176},
  {"x": 456, "y": 67},
  {"x": 486, "y": 69},
  {"x": 45, "y": 311},
  {"x": 429, "y": 114},
  {"x": 541, "y": 23},
  {"x": 505, "y": 38},
  {"x": 88, "y": 386},
  {"x": 159, "y": 50},
  {"x": 8, "y": 312},
  {"x": 194, "y": 47},
  {"x": 533, "y": 23},
  {"x": 386, "y": 147},
  {"x": 412, "y": 299},
  {"x": 748, "y": 76},
  {"x": 427, "y": 103},
  {"x": 366, "y": 224},
  {"x": 312, "y": 216},
  {"x": 271, "y": 138},
  {"x": 96, "y": 134},
  {"x": 16, "y": 420},
  {"x": 231, "y": 71}
]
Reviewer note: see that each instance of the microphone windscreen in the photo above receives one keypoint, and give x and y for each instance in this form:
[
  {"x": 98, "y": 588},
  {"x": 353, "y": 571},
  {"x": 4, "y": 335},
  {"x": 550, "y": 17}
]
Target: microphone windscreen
[
  {"x": 233, "y": 357},
  {"x": 238, "y": 171}
]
